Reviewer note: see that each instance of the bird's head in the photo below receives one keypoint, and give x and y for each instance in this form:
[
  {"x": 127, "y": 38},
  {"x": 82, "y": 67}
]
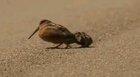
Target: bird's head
[
  {"x": 41, "y": 23},
  {"x": 44, "y": 21}
]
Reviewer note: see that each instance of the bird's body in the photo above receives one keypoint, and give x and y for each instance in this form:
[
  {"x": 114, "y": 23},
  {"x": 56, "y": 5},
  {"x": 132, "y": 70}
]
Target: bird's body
[{"x": 57, "y": 34}]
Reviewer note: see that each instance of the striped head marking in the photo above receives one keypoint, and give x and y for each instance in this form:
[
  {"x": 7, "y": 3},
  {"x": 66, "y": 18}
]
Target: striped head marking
[{"x": 44, "y": 22}]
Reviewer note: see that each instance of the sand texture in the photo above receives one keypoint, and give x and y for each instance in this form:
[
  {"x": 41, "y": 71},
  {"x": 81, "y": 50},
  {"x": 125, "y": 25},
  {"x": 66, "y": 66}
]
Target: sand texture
[{"x": 114, "y": 26}]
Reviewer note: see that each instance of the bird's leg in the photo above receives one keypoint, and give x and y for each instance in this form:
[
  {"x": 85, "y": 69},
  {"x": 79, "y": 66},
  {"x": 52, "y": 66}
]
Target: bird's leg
[
  {"x": 55, "y": 46},
  {"x": 58, "y": 45},
  {"x": 67, "y": 46}
]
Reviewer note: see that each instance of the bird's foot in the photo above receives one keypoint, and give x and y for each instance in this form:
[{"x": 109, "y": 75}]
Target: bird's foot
[
  {"x": 52, "y": 48},
  {"x": 56, "y": 47},
  {"x": 67, "y": 46}
]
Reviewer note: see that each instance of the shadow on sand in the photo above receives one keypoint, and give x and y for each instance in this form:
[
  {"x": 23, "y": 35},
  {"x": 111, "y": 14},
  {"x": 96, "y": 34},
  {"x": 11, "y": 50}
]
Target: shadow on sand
[{"x": 70, "y": 48}]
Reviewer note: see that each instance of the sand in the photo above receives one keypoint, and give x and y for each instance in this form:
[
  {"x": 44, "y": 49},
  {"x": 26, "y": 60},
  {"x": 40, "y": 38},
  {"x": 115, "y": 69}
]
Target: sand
[{"x": 114, "y": 26}]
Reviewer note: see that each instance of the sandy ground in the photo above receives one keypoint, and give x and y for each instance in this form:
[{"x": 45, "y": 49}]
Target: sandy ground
[{"x": 113, "y": 24}]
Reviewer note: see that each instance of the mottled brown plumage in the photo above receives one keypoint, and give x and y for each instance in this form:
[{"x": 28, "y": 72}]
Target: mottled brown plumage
[
  {"x": 83, "y": 39},
  {"x": 58, "y": 34}
]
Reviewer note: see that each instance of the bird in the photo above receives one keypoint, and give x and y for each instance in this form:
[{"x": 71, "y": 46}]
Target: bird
[
  {"x": 83, "y": 39},
  {"x": 55, "y": 33},
  {"x": 58, "y": 34}
]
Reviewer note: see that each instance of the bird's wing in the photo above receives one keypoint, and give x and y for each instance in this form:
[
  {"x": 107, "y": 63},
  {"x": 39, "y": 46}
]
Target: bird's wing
[
  {"x": 58, "y": 33},
  {"x": 59, "y": 29},
  {"x": 63, "y": 29}
]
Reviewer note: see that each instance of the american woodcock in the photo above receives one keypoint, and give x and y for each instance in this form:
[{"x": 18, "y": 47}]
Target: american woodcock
[{"x": 58, "y": 34}]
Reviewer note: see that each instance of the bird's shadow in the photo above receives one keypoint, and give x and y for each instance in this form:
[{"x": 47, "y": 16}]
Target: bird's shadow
[{"x": 70, "y": 48}]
